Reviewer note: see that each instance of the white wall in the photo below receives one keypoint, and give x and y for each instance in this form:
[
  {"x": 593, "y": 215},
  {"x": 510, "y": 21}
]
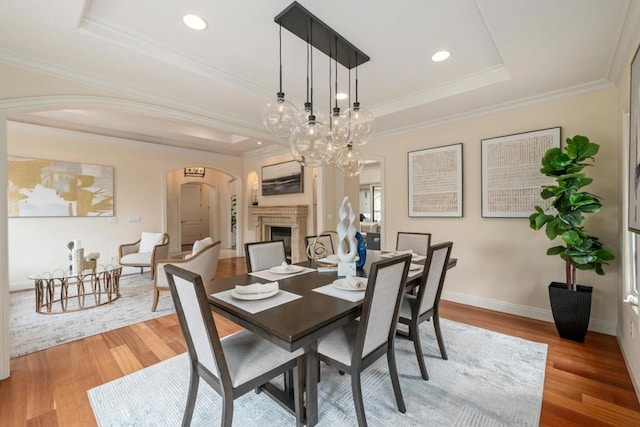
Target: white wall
[
  {"x": 39, "y": 244},
  {"x": 502, "y": 263}
]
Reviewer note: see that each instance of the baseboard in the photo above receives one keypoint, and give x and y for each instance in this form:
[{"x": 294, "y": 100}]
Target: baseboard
[{"x": 603, "y": 327}]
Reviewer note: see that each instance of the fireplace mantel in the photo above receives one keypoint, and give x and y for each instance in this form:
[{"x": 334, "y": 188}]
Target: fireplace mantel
[{"x": 295, "y": 217}]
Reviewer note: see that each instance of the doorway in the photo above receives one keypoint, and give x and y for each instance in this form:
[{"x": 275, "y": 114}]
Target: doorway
[{"x": 197, "y": 203}]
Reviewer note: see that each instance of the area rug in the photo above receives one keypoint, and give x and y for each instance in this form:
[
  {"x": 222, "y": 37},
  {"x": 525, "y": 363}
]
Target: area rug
[
  {"x": 31, "y": 331},
  {"x": 490, "y": 379}
]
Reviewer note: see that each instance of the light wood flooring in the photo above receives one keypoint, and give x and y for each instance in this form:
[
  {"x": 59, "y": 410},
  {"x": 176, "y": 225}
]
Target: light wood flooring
[{"x": 585, "y": 384}]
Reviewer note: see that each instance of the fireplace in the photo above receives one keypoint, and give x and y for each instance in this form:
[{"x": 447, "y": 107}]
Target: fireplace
[
  {"x": 266, "y": 218},
  {"x": 282, "y": 233}
]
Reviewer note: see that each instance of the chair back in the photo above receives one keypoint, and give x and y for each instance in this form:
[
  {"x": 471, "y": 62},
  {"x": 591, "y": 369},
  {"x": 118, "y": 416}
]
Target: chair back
[
  {"x": 324, "y": 240},
  {"x": 381, "y": 305},
  {"x": 197, "y": 323},
  {"x": 417, "y": 242},
  {"x": 264, "y": 255},
  {"x": 432, "y": 282}
]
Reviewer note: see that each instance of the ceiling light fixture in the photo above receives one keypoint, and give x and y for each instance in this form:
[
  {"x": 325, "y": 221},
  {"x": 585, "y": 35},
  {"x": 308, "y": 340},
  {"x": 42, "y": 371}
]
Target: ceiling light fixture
[
  {"x": 194, "y": 22},
  {"x": 316, "y": 140},
  {"x": 440, "y": 56},
  {"x": 195, "y": 171}
]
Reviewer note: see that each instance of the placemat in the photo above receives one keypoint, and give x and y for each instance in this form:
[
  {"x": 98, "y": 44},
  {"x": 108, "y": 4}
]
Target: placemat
[
  {"x": 256, "y": 306},
  {"x": 331, "y": 290},
  {"x": 274, "y": 277}
]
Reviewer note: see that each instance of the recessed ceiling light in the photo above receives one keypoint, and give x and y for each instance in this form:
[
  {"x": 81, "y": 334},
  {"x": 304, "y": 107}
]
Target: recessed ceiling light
[
  {"x": 341, "y": 95},
  {"x": 259, "y": 142},
  {"x": 194, "y": 22},
  {"x": 441, "y": 56}
]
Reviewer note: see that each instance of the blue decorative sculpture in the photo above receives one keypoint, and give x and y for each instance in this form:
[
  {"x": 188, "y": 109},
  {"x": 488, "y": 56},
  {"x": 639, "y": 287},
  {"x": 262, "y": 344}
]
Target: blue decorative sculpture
[{"x": 362, "y": 250}]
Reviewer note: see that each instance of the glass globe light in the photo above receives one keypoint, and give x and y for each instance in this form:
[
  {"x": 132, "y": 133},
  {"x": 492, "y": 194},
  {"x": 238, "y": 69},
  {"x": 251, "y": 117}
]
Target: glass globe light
[
  {"x": 361, "y": 123},
  {"x": 278, "y": 116},
  {"x": 349, "y": 161},
  {"x": 311, "y": 141},
  {"x": 339, "y": 128},
  {"x": 303, "y": 116}
]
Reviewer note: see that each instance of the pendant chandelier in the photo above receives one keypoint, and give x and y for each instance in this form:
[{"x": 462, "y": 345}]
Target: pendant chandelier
[{"x": 315, "y": 139}]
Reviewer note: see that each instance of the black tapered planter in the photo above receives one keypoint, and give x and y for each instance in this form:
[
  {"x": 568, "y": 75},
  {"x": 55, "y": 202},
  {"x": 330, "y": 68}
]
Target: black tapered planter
[{"x": 571, "y": 310}]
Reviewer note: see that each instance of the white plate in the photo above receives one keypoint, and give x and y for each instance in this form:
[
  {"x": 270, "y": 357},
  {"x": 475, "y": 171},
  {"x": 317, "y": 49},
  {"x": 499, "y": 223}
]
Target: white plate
[
  {"x": 252, "y": 297},
  {"x": 415, "y": 267},
  {"x": 342, "y": 284},
  {"x": 290, "y": 269}
]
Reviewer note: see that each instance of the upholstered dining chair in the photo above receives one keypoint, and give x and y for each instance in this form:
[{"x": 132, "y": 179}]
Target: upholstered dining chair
[
  {"x": 202, "y": 260},
  {"x": 324, "y": 239},
  {"x": 416, "y": 309},
  {"x": 355, "y": 346},
  {"x": 232, "y": 366},
  {"x": 417, "y": 242},
  {"x": 145, "y": 251},
  {"x": 263, "y": 255}
]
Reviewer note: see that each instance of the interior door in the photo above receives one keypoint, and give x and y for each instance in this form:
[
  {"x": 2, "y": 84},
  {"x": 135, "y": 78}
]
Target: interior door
[{"x": 191, "y": 213}]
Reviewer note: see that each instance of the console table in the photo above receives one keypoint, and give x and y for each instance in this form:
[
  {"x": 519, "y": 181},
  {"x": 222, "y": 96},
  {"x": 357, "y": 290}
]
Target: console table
[{"x": 86, "y": 289}]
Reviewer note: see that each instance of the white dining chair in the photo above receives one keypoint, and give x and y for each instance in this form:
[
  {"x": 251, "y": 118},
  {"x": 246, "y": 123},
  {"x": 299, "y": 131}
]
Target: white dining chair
[
  {"x": 263, "y": 255},
  {"x": 419, "y": 308},
  {"x": 355, "y": 346},
  {"x": 417, "y": 242},
  {"x": 234, "y": 365}
]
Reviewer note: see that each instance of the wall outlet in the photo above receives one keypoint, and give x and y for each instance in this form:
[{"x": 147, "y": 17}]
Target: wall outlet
[
  {"x": 113, "y": 258},
  {"x": 112, "y": 220}
]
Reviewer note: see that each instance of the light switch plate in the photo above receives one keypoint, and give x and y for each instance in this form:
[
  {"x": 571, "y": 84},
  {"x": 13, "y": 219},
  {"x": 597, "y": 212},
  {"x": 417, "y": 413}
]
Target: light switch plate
[{"x": 133, "y": 219}]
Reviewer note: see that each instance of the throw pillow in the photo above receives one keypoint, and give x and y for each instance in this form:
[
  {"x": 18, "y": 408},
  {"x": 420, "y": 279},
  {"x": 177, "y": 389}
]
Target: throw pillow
[
  {"x": 149, "y": 240},
  {"x": 199, "y": 245}
]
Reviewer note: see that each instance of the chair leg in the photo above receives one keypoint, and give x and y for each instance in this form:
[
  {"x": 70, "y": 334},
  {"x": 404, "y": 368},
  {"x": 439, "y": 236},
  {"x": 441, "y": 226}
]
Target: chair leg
[
  {"x": 194, "y": 380},
  {"x": 356, "y": 389},
  {"x": 395, "y": 381},
  {"x": 227, "y": 409},
  {"x": 415, "y": 337},
  {"x": 156, "y": 296},
  {"x": 436, "y": 325},
  {"x": 298, "y": 391}
]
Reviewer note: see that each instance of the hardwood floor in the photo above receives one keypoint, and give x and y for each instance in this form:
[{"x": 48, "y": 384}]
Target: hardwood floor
[{"x": 585, "y": 384}]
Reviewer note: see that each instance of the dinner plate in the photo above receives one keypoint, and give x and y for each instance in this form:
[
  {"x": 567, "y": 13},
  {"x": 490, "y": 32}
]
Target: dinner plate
[
  {"x": 252, "y": 297},
  {"x": 342, "y": 284},
  {"x": 278, "y": 269},
  {"x": 414, "y": 267}
]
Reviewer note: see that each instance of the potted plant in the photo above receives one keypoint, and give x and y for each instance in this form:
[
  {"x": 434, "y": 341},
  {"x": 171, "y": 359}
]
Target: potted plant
[{"x": 571, "y": 303}]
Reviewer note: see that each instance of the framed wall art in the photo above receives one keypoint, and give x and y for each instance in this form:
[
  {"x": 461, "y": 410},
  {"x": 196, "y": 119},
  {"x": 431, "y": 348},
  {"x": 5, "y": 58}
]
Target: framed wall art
[
  {"x": 511, "y": 177},
  {"x": 48, "y": 188},
  {"x": 282, "y": 178},
  {"x": 435, "y": 182},
  {"x": 634, "y": 147}
]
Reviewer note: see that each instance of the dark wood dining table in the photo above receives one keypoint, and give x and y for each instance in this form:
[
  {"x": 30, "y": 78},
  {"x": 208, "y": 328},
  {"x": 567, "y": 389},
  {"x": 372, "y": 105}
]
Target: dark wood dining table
[{"x": 298, "y": 323}]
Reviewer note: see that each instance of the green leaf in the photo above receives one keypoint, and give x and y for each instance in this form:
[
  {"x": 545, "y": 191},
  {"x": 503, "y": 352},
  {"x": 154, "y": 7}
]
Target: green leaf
[
  {"x": 556, "y": 250},
  {"x": 571, "y": 238},
  {"x": 605, "y": 254}
]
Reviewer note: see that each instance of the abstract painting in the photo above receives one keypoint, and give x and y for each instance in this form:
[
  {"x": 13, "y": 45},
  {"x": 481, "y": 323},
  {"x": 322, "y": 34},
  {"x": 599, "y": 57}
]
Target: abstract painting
[
  {"x": 282, "y": 178},
  {"x": 47, "y": 188}
]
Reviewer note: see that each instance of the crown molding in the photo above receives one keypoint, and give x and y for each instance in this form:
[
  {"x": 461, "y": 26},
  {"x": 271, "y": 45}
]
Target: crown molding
[
  {"x": 484, "y": 78},
  {"x": 595, "y": 86},
  {"x": 163, "y": 52}
]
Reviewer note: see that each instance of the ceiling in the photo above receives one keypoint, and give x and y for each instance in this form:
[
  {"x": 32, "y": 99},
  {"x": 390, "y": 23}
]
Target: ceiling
[{"x": 131, "y": 69}]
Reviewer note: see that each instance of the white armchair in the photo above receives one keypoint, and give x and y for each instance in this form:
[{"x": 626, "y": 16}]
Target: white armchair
[
  {"x": 203, "y": 262},
  {"x": 144, "y": 252}
]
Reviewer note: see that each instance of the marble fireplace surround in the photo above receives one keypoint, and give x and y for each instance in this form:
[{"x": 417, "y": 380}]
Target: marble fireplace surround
[{"x": 295, "y": 217}]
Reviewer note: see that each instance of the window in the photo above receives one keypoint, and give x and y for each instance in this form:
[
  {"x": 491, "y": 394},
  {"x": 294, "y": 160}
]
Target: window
[
  {"x": 636, "y": 262},
  {"x": 377, "y": 203}
]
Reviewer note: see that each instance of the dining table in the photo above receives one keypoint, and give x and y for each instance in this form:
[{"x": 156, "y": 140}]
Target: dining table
[{"x": 306, "y": 308}]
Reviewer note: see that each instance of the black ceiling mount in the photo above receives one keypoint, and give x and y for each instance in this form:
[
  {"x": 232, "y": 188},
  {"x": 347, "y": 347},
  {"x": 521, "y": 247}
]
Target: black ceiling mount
[{"x": 296, "y": 19}]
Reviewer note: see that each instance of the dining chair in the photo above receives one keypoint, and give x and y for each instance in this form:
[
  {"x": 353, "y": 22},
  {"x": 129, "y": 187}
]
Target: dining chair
[
  {"x": 263, "y": 255},
  {"x": 234, "y": 365},
  {"x": 324, "y": 243},
  {"x": 417, "y": 242},
  {"x": 355, "y": 346},
  {"x": 416, "y": 309}
]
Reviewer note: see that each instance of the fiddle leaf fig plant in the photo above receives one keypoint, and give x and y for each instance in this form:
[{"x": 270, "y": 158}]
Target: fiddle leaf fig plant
[{"x": 569, "y": 204}]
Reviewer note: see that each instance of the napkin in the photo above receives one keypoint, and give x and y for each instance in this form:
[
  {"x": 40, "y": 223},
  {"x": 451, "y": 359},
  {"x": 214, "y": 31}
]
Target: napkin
[
  {"x": 256, "y": 288},
  {"x": 353, "y": 282},
  {"x": 284, "y": 266}
]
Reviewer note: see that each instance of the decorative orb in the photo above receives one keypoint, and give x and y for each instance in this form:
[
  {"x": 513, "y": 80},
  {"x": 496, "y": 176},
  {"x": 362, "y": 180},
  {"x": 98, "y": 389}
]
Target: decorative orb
[
  {"x": 302, "y": 117},
  {"x": 339, "y": 129},
  {"x": 279, "y": 115},
  {"x": 349, "y": 161},
  {"x": 311, "y": 142},
  {"x": 361, "y": 123}
]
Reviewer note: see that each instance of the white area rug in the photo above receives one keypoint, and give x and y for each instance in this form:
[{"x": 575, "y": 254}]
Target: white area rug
[
  {"x": 31, "y": 331},
  {"x": 490, "y": 379}
]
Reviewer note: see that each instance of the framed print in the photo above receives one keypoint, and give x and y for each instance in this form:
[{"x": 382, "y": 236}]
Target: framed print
[
  {"x": 634, "y": 150},
  {"x": 282, "y": 178},
  {"x": 435, "y": 182},
  {"x": 511, "y": 177},
  {"x": 45, "y": 188}
]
